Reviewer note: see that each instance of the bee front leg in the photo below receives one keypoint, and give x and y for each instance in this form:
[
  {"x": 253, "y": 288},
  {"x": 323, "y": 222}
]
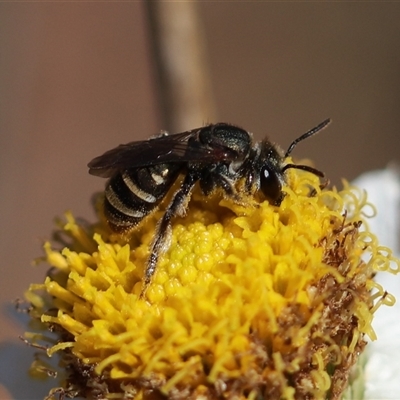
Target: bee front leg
[{"x": 177, "y": 206}]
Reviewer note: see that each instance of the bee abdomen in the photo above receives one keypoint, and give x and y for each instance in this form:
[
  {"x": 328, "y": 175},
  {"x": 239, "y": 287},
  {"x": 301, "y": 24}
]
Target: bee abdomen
[{"x": 133, "y": 194}]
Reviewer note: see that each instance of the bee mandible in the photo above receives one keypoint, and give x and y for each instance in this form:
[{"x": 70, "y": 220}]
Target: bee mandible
[{"x": 215, "y": 156}]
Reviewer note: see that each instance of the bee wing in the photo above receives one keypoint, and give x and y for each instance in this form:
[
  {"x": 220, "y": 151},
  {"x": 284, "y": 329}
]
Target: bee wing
[{"x": 175, "y": 148}]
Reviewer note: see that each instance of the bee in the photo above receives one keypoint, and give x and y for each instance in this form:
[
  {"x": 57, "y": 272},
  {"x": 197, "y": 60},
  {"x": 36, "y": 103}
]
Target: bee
[{"x": 216, "y": 156}]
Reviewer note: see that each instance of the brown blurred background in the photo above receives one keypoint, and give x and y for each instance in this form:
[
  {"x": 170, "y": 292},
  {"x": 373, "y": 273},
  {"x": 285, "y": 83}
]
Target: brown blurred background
[{"x": 77, "y": 79}]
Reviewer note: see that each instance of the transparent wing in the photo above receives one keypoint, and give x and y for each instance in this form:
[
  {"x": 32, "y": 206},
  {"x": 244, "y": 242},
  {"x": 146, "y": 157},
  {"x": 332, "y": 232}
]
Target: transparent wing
[{"x": 178, "y": 148}]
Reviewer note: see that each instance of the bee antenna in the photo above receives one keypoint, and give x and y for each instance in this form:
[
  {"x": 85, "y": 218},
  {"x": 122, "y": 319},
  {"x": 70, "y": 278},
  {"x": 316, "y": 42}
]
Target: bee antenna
[
  {"x": 304, "y": 168},
  {"x": 306, "y": 135}
]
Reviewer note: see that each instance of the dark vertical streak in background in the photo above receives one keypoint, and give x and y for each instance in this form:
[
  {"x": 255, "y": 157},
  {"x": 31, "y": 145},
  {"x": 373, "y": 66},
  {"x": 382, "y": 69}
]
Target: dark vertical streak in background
[{"x": 183, "y": 84}]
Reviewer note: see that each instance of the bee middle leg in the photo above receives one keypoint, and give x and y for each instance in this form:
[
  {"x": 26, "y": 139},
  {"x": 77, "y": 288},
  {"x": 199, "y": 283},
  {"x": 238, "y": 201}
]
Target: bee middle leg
[{"x": 175, "y": 207}]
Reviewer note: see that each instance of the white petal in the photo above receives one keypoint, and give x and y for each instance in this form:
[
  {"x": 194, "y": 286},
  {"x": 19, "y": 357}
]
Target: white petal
[{"x": 383, "y": 366}]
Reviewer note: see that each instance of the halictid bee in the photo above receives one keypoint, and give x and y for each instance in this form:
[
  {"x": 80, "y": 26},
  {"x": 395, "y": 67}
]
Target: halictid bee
[{"x": 217, "y": 156}]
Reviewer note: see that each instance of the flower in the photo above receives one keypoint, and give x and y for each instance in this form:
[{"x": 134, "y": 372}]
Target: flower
[
  {"x": 249, "y": 301},
  {"x": 383, "y": 363}
]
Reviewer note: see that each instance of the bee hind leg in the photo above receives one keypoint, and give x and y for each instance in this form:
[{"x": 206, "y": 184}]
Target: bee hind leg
[{"x": 163, "y": 230}]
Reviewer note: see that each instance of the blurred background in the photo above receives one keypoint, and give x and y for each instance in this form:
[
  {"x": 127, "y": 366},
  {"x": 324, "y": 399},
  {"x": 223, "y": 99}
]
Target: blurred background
[{"x": 77, "y": 78}]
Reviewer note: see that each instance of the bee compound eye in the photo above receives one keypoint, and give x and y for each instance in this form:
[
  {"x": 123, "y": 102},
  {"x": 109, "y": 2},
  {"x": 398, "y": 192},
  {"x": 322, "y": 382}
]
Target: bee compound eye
[{"x": 271, "y": 186}]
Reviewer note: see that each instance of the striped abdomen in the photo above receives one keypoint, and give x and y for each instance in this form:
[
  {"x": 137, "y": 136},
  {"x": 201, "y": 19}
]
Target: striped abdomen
[{"x": 135, "y": 193}]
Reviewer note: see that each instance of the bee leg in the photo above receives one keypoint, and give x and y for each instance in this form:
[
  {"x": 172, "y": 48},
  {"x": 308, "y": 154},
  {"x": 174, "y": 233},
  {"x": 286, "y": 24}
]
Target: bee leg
[
  {"x": 176, "y": 207},
  {"x": 249, "y": 183},
  {"x": 219, "y": 181},
  {"x": 227, "y": 186},
  {"x": 231, "y": 192}
]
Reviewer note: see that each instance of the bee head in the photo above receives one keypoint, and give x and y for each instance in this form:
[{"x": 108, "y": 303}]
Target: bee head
[{"x": 272, "y": 171}]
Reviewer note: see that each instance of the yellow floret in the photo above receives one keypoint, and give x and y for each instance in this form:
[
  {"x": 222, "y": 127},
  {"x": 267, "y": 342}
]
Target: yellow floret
[{"x": 247, "y": 302}]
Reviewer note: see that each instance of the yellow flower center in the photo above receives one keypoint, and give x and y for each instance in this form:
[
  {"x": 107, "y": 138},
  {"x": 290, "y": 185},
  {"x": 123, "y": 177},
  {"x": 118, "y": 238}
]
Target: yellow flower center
[{"x": 246, "y": 301}]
